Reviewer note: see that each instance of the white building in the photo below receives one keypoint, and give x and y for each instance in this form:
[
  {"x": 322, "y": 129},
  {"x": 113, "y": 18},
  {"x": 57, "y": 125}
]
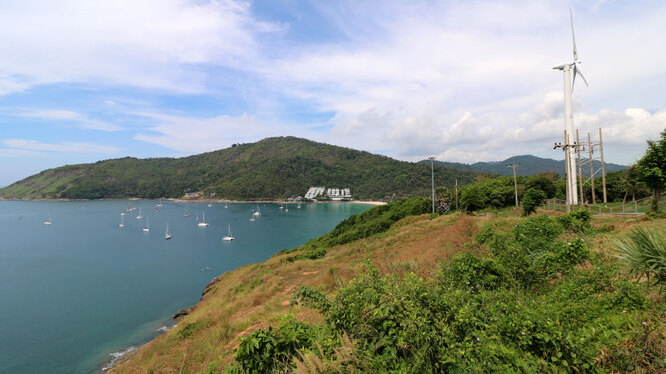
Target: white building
[{"x": 333, "y": 193}]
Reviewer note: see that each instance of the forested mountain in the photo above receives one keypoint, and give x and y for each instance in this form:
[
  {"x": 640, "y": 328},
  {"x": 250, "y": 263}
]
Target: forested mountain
[
  {"x": 272, "y": 168},
  {"x": 529, "y": 165}
]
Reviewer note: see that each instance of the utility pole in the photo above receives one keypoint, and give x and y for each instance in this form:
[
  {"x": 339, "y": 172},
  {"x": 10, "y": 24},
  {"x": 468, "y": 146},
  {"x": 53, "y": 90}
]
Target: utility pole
[
  {"x": 432, "y": 174},
  {"x": 580, "y": 170},
  {"x": 603, "y": 169},
  {"x": 456, "y": 194},
  {"x": 589, "y": 142},
  {"x": 513, "y": 165}
]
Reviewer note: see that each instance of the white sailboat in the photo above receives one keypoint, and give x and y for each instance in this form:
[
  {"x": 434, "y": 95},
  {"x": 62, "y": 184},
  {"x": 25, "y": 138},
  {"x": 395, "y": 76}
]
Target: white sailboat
[
  {"x": 229, "y": 237},
  {"x": 298, "y": 206},
  {"x": 281, "y": 206},
  {"x": 226, "y": 205},
  {"x": 167, "y": 236},
  {"x": 122, "y": 220},
  {"x": 186, "y": 214},
  {"x": 286, "y": 208},
  {"x": 49, "y": 221},
  {"x": 258, "y": 212},
  {"x": 140, "y": 214},
  {"x": 160, "y": 203},
  {"x": 147, "y": 228},
  {"x": 203, "y": 222}
]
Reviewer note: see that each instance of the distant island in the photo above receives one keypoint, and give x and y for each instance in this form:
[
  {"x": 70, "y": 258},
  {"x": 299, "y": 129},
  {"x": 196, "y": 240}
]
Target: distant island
[
  {"x": 529, "y": 165},
  {"x": 270, "y": 169}
]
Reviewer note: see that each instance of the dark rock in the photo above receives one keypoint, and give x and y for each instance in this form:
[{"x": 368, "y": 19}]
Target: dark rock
[{"x": 183, "y": 312}]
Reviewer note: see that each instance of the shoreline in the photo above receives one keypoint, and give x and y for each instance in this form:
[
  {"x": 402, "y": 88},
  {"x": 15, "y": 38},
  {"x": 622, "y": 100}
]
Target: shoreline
[{"x": 213, "y": 201}]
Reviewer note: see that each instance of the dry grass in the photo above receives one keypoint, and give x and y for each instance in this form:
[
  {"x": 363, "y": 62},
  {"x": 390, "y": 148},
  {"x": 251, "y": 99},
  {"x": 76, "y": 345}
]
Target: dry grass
[{"x": 254, "y": 296}]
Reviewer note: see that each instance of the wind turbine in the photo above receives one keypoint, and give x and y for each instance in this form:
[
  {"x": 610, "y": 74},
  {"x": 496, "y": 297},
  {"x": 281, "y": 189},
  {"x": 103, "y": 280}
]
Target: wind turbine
[{"x": 569, "y": 144}]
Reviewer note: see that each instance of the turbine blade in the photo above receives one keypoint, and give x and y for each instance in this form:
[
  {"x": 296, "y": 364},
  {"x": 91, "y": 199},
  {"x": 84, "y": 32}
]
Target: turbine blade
[
  {"x": 577, "y": 71},
  {"x": 573, "y": 37}
]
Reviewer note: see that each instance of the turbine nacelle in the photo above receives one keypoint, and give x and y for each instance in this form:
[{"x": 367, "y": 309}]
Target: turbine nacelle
[{"x": 561, "y": 66}]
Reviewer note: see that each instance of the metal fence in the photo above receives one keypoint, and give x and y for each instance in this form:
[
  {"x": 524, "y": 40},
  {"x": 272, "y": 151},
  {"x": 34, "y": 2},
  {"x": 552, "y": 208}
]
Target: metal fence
[{"x": 636, "y": 207}]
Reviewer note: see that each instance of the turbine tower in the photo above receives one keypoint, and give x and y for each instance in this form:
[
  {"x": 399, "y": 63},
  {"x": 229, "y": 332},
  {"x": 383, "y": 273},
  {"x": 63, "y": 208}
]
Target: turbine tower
[{"x": 569, "y": 144}]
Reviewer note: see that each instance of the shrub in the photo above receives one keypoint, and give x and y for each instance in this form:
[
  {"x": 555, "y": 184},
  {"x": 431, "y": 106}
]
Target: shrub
[
  {"x": 532, "y": 199},
  {"x": 644, "y": 253},
  {"x": 467, "y": 271},
  {"x": 577, "y": 220},
  {"x": 266, "y": 349},
  {"x": 537, "y": 234}
]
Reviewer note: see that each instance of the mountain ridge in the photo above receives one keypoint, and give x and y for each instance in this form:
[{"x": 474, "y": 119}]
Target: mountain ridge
[
  {"x": 272, "y": 168},
  {"x": 529, "y": 165}
]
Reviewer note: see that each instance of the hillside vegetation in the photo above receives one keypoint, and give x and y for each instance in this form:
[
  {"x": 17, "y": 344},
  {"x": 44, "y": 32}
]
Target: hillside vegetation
[
  {"x": 273, "y": 168},
  {"x": 529, "y": 165},
  {"x": 392, "y": 290}
]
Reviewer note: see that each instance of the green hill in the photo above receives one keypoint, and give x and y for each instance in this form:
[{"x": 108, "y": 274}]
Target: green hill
[
  {"x": 272, "y": 168},
  {"x": 529, "y": 165}
]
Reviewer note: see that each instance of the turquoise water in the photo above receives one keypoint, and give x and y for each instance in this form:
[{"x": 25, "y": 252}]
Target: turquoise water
[{"x": 75, "y": 291}]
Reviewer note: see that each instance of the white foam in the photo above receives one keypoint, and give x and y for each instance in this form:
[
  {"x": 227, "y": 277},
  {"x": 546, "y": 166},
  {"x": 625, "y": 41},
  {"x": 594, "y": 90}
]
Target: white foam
[{"x": 116, "y": 356}]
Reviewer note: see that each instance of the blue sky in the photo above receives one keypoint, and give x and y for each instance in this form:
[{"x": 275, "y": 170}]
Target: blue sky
[{"x": 466, "y": 81}]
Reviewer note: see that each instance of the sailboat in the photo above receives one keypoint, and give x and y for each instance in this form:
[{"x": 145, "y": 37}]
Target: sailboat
[
  {"x": 226, "y": 205},
  {"x": 252, "y": 216},
  {"x": 229, "y": 237},
  {"x": 140, "y": 214},
  {"x": 49, "y": 221},
  {"x": 186, "y": 214},
  {"x": 160, "y": 203},
  {"x": 281, "y": 206},
  {"x": 147, "y": 228},
  {"x": 286, "y": 208},
  {"x": 167, "y": 236},
  {"x": 258, "y": 212},
  {"x": 203, "y": 222},
  {"x": 298, "y": 206},
  {"x": 122, "y": 220}
]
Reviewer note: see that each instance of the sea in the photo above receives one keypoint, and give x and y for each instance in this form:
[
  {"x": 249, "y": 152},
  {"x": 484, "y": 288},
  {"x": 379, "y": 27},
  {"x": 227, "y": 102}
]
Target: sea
[{"x": 80, "y": 292}]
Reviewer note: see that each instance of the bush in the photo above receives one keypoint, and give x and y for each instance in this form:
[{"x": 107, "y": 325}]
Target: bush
[
  {"x": 470, "y": 272},
  {"x": 532, "y": 199},
  {"x": 267, "y": 349},
  {"x": 537, "y": 234},
  {"x": 576, "y": 221},
  {"x": 644, "y": 253}
]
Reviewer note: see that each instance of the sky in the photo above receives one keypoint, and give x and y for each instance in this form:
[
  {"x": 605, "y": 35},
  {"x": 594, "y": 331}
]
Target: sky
[{"x": 464, "y": 81}]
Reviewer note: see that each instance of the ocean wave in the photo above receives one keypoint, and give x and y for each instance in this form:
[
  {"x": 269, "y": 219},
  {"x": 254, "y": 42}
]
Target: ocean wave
[{"x": 116, "y": 356}]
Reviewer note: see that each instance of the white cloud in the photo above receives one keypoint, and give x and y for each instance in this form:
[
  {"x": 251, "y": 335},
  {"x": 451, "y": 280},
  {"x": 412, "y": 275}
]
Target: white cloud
[
  {"x": 195, "y": 135},
  {"x": 147, "y": 43},
  {"x": 26, "y": 145},
  {"x": 80, "y": 120}
]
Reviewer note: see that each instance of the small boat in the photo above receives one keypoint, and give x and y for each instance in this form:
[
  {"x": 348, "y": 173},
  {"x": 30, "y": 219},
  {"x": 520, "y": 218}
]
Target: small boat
[
  {"x": 147, "y": 228},
  {"x": 298, "y": 206},
  {"x": 281, "y": 206},
  {"x": 286, "y": 208},
  {"x": 203, "y": 222},
  {"x": 122, "y": 220},
  {"x": 167, "y": 236},
  {"x": 49, "y": 221},
  {"x": 20, "y": 217},
  {"x": 210, "y": 205},
  {"x": 226, "y": 205},
  {"x": 229, "y": 237},
  {"x": 186, "y": 214},
  {"x": 258, "y": 212},
  {"x": 140, "y": 214},
  {"x": 252, "y": 219},
  {"x": 160, "y": 203}
]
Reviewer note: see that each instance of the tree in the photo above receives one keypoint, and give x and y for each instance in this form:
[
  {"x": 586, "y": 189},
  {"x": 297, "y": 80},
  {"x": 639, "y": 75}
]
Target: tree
[
  {"x": 532, "y": 199},
  {"x": 652, "y": 168}
]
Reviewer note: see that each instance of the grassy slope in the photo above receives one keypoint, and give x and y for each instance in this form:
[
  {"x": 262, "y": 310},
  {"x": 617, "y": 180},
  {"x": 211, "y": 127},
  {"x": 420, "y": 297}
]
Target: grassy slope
[
  {"x": 269, "y": 169},
  {"x": 258, "y": 295}
]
